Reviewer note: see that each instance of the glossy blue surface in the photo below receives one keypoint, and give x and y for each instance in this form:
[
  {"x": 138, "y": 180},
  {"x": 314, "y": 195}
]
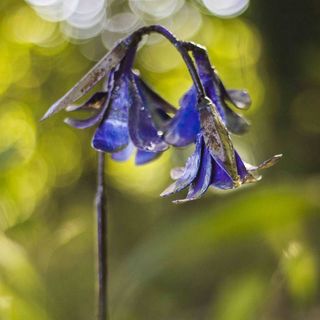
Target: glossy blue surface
[{"x": 143, "y": 157}]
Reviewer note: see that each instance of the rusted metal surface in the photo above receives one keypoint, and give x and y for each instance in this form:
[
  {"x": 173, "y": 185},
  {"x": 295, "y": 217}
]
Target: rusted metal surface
[
  {"x": 217, "y": 138},
  {"x": 97, "y": 73}
]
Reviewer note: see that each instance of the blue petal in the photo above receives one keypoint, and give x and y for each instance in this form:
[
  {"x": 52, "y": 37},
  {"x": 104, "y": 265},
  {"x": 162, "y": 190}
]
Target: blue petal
[
  {"x": 190, "y": 171},
  {"x": 158, "y": 107},
  {"x": 94, "y": 102},
  {"x": 220, "y": 178},
  {"x": 89, "y": 122},
  {"x": 239, "y": 98},
  {"x": 124, "y": 154},
  {"x": 202, "y": 181},
  {"x": 235, "y": 123},
  {"x": 143, "y": 132},
  {"x": 85, "y": 123},
  {"x": 127, "y": 62},
  {"x": 112, "y": 135},
  {"x": 242, "y": 171},
  {"x": 143, "y": 157},
  {"x": 212, "y": 91},
  {"x": 212, "y": 84},
  {"x": 203, "y": 65},
  {"x": 185, "y": 125},
  {"x": 154, "y": 101}
]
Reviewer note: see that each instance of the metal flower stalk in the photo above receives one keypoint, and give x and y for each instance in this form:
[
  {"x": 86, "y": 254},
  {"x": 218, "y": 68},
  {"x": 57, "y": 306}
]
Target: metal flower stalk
[{"x": 130, "y": 117}]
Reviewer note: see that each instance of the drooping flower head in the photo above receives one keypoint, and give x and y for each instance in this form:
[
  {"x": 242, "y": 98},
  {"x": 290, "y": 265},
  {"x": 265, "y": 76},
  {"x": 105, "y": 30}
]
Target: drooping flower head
[
  {"x": 128, "y": 114},
  {"x": 131, "y": 115},
  {"x": 185, "y": 126},
  {"x": 214, "y": 162}
]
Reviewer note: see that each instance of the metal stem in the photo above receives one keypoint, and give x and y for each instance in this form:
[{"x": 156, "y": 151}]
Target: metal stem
[
  {"x": 102, "y": 224},
  {"x": 182, "y": 50}
]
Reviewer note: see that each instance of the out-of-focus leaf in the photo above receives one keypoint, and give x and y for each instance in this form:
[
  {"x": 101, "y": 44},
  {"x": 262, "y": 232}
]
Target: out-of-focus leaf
[
  {"x": 199, "y": 236},
  {"x": 21, "y": 289},
  {"x": 239, "y": 299}
]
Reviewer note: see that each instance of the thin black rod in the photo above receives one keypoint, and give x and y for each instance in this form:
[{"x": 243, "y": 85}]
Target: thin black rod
[{"x": 102, "y": 224}]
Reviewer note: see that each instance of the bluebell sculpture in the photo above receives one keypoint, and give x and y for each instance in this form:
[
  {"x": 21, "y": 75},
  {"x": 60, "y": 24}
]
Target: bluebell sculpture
[{"x": 129, "y": 115}]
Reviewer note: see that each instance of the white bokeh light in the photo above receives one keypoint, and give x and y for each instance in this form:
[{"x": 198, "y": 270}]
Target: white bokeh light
[
  {"x": 42, "y": 2},
  {"x": 226, "y": 8},
  {"x": 86, "y": 21},
  {"x": 54, "y": 10},
  {"x": 186, "y": 22},
  {"x": 110, "y": 38},
  {"x": 155, "y": 9},
  {"x": 123, "y": 22},
  {"x": 81, "y": 33},
  {"x": 87, "y": 14},
  {"x": 114, "y": 19}
]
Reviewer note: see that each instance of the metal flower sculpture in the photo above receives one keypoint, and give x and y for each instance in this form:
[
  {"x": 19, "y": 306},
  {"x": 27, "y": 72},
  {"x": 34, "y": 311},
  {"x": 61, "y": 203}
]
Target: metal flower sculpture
[
  {"x": 214, "y": 162},
  {"x": 185, "y": 126},
  {"x": 130, "y": 115},
  {"x": 209, "y": 123}
]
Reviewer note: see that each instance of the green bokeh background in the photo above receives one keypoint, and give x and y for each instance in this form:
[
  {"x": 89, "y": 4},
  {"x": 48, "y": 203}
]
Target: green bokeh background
[{"x": 244, "y": 255}]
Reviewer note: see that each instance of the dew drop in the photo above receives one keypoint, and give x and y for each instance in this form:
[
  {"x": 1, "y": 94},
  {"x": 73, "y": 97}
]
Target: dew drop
[{"x": 151, "y": 146}]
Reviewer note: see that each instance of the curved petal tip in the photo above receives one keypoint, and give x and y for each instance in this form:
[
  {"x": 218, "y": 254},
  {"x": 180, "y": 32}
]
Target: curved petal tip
[
  {"x": 270, "y": 162},
  {"x": 169, "y": 190}
]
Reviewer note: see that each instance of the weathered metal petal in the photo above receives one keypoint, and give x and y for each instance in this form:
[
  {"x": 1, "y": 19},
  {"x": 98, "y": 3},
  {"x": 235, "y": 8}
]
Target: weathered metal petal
[
  {"x": 220, "y": 179},
  {"x": 190, "y": 171},
  {"x": 124, "y": 154},
  {"x": 214, "y": 94},
  {"x": 270, "y": 162},
  {"x": 158, "y": 107},
  {"x": 105, "y": 100},
  {"x": 94, "y": 103},
  {"x": 239, "y": 98},
  {"x": 218, "y": 94},
  {"x": 202, "y": 180},
  {"x": 85, "y": 123},
  {"x": 143, "y": 133},
  {"x": 143, "y": 157},
  {"x": 242, "y": 170},
  {"x": 235, "y": 123},
  {"x": 185, "y": 125},
  {"x": 154, "y": 100},
  {"x": 217, "y": 138},
  {"x": 89, "y": 122},
  {"x": 212, "y": 84},
  {"x": 97, "y": 73},
  {"x": 176, "y": 173},
  {"x": 203, "y": 64},
  {"x": 265, "y": 164},
  {"x": 112, "y": 134}
]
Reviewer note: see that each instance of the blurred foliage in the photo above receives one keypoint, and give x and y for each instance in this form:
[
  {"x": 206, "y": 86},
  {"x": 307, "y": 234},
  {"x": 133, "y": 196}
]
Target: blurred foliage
[{"x": 248, "y": 254}]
